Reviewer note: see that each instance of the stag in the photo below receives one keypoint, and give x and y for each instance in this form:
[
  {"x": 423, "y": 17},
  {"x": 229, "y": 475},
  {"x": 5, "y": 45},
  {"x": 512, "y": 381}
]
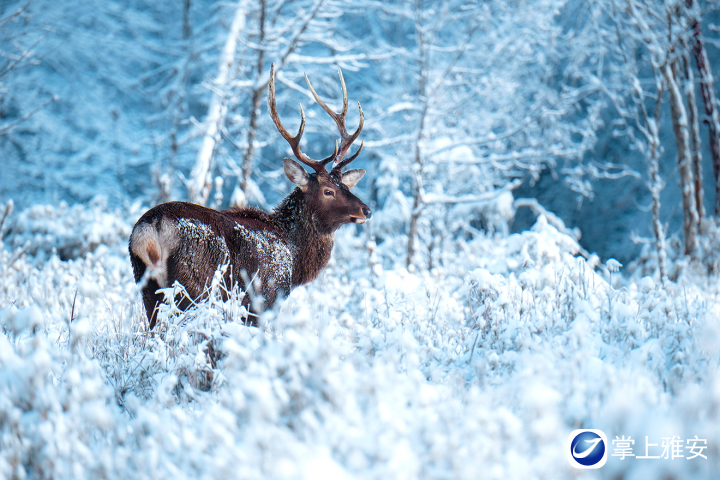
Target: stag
[{"x": 271, "y": 252}]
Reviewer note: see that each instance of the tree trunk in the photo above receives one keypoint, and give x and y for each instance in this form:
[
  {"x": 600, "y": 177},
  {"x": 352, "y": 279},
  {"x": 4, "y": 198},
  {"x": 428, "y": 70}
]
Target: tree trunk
[
  {"x": 696, "y": 142},
  {"x": 239, "y": 194},
  {"x": 165, "y": 175},
  {"x": 416, "y": 209},
  {"x": 255, "y": 108},
  {"x": 187, "y": 26},
  {"x": 418, "y": 163},
  {"x": 655, "y": 188},
  {"x": 656, "y": 184},
  {"x": 707, "y": 90},
  {"x": 682, "y": 138},
  {"x": 200, "y": 181}
]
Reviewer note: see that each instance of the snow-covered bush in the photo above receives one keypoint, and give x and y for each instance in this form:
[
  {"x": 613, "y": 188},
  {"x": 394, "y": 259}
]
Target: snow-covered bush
[
  {"x": 69, "y": 232},
  {"x": 480, "y": 366}
]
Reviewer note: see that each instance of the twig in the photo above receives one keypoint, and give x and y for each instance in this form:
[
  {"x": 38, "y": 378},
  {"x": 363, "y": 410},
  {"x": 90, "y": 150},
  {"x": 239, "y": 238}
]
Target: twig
[
  {"x": 8, "y": 211},
  {"x": 6, "y": 129},
  {"x": 72, "y": 310}
]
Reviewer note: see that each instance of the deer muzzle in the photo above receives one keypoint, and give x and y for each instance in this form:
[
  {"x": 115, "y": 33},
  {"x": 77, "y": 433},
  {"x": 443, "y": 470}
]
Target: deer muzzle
[{"x": 366, "y": 215}]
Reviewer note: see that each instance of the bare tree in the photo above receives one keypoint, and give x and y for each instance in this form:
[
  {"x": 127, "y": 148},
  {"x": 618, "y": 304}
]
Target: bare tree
[
  {"x": 635, "y": 36},
  {"x": 624, "y": 40},
  {"x": 258, "y": 81},
  {"x": 421, "y": 32},
  {"x": 280, "y": 32},
  {"x": 176, "y": 62},
  {"x": 257, "y": 96},
  {"x": 199, "y": 184},
  {"x": 470, "y": 139}
]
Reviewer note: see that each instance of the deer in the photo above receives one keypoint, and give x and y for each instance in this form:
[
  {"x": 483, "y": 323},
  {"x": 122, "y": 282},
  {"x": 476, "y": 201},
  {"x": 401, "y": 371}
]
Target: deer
[{"x": 271, "y": 252}]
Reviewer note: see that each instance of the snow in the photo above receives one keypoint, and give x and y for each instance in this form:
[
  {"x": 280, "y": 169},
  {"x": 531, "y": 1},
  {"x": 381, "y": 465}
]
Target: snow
[
  {"x": 466, "y": 368},
  {"x": 475, "y": 360}
]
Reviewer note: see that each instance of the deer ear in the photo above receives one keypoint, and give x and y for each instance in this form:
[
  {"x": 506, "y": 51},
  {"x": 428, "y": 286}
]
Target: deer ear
[
  {"x": 296, "y": 173},
  {"x": 352, "y": 177}
]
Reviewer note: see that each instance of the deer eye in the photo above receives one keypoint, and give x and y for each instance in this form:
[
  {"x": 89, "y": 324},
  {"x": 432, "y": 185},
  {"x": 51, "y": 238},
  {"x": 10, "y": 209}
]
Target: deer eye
[{"x": 329, "y": 193}]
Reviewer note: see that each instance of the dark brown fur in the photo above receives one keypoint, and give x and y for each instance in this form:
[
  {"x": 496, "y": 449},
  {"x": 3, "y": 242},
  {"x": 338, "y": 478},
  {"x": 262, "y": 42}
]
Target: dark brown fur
[
  {"x": 267, "y": 253},
  {"x": 301, "y": 226}
]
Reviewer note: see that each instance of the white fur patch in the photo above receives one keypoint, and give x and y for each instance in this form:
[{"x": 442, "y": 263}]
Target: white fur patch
[{"x": 154, "y": 247}]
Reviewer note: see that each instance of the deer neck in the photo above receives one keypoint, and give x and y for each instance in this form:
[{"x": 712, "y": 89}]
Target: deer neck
[{"x": 311, "y": 247}]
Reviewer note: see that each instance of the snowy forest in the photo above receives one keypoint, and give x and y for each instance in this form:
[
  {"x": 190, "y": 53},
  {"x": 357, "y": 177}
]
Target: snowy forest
[{"x": 544, "y": 180}]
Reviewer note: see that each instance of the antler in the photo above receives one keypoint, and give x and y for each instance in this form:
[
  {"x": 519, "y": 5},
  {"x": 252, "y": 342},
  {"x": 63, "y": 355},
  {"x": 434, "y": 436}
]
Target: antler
[
  {"x": 294, "y": 142},
  {"x": 346, "y": 140}
]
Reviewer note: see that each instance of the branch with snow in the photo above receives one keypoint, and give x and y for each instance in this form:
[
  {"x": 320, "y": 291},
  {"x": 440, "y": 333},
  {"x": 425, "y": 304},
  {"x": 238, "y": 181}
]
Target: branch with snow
[{"x": 441, "y": 198}]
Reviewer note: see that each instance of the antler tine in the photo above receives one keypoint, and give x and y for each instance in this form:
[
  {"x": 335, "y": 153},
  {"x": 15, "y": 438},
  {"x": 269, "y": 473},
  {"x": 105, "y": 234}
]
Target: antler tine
[
  {"x": 322, "y": 104},
  {"x": 353, "y": 137},
  {"x": 293, "y": 141},
  {"x": 345, "y": 139},
  {"x": 329, "y": 159},
  {"x": 342, "y": 164},
  {"x": 345, "y": 97}
]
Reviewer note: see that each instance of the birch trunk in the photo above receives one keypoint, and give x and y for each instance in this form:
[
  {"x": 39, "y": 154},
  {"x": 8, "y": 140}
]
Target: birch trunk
[
  {"x": 682, "y": 138},
  {"x": 655, "y": 189},
  {"x": 695, "y": 140},
  {"x": 200, "y": 181},
  {"x": 656, "y": 184}
]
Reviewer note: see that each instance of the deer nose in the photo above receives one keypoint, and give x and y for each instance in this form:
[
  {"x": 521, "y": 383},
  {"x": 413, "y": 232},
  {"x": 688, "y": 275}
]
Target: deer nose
[{"x": 367, "y": 212}]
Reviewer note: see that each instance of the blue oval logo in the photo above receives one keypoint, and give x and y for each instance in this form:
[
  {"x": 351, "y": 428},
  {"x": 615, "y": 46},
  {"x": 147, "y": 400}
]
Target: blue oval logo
[{"x": 587, "y": 448}]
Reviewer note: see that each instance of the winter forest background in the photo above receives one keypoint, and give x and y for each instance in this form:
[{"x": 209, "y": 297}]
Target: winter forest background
[{"x": 542, "y": 255}]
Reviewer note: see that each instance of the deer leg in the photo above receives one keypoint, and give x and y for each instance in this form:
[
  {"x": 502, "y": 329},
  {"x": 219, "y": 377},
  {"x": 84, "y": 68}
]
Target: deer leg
[{"x": 151, "y": 299}]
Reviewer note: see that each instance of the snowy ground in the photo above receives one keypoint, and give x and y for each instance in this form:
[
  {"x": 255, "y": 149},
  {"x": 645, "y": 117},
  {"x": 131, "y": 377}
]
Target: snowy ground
[{"x": 478, "y": 368}]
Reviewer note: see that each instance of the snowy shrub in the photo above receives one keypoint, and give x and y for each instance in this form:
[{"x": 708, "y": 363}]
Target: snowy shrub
[
  {"x": 69, "y": 232},
  {"x": 480, "y": 366},
  {"x": 53, "y": 402}
]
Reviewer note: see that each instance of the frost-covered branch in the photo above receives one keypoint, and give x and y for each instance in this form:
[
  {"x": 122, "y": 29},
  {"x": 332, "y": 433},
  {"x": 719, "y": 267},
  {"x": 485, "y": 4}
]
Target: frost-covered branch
[
  {"x": 441, "y": 198},
  {"x": 5, "y": 129},
  {"x": 18, "y": 11},
  {"x": 347, "y": 61}
]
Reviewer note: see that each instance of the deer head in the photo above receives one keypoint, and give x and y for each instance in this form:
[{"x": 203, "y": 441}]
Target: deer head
[{"x": 326, "y": 193}]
